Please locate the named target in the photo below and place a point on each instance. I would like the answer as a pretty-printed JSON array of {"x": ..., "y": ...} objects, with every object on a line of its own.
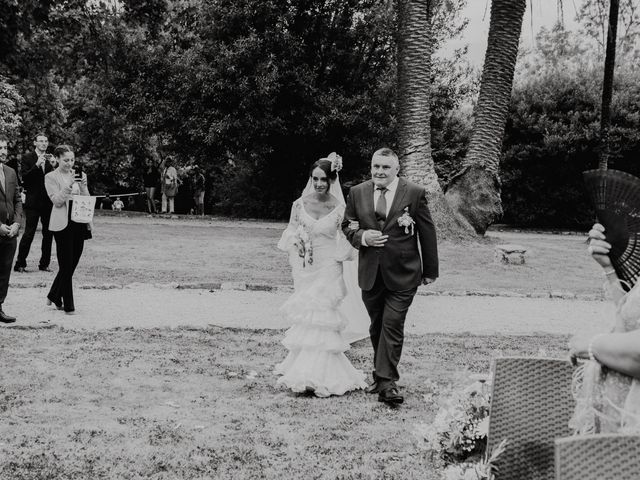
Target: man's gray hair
[{"x": 386, "y": 152}]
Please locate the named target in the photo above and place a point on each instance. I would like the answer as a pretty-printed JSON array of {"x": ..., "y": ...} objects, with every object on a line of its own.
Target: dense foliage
[
  {"x": 255, "y": 90},
  {"x": 252, "y": 90},
  {"x": 553, "y": 131}
]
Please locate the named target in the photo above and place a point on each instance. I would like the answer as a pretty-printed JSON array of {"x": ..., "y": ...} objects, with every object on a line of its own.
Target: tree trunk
[
  {"x": 607, "y": 83},
  {"x": 414, "y": 111},
  {"x": 474, "y": 191}
]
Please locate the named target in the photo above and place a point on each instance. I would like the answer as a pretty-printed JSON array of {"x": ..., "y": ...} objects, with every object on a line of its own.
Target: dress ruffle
[
  {"x": 316, "y": 358},
  {"x": 324, "y": 372}
]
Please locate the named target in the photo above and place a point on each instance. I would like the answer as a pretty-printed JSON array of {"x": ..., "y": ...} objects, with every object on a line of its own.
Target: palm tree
[
  {"x": 474, "y": 192},
  {"x": 607, "y": 83},
  {"x": 414, "y": 111}
]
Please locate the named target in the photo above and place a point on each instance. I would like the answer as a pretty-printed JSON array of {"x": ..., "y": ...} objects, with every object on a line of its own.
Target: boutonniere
[{"x": 406, "y": 221}]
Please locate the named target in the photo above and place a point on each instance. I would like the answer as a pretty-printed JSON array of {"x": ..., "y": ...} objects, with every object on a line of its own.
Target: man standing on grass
[
  {"x": 396, "y": 239},
  {"x": 10, "y": 218},
  {"x": 37, "y": 206}
]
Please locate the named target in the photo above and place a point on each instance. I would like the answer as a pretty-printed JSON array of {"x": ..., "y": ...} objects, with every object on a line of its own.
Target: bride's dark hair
[{"x": 324, "y": 165}]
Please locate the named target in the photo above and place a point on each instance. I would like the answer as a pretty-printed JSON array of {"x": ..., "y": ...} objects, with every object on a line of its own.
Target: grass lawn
[
  {"x": 201, "y": 404},
  {"x": 157, "y": 250}
]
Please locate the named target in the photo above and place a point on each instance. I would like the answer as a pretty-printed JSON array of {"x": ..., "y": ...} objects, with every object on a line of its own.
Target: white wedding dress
[{"x": 318, "y": 336}]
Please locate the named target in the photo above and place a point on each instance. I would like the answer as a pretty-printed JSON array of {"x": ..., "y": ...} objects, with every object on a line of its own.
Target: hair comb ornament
[
  {"x": 616, "y": 198},
  {"x": 336, "y": 161}
]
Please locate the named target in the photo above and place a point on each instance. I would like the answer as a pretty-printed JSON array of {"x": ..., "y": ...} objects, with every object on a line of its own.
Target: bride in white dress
[{"x": 326, "y": 314}]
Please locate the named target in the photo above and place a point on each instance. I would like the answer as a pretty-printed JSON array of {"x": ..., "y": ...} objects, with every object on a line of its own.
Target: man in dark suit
[
  {"x": 392, "y": 215},
  {"x": 10, "y": 218},
  {"x": 37, "y": 206}
]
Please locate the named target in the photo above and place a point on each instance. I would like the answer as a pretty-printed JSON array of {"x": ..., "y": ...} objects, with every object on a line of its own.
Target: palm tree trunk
[
  {"x": 414, "y": 110},
  {"x": 474, "y": 191},
  {"x": 607, "y": 83}
]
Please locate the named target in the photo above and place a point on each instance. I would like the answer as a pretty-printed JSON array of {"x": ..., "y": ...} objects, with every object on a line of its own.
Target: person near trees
[
  {"x": 169, "y": 186},
  {"x": 397, "y": 244},
  {"x": 11, "y": 217},
  {"x": 151, "y": 181},
  {"x": 607, "y": 384},
  {"x": 61, "y": 185},
  {"x": 37, "y": 206},
  {"x": 118, "y": 205},
  {"x": 197, "y": 189},
  {"x": 106, "y": 203}
]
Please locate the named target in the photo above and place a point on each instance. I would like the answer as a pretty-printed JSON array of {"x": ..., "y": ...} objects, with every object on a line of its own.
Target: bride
[{"x": 326, "y": 312}]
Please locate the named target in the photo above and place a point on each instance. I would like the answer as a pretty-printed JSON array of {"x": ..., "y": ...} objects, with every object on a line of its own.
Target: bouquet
[{"x": 305, "y": 248}]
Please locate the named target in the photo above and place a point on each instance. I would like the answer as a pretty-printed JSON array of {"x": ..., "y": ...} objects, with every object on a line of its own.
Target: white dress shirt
[{"x": 389, "y": 196}]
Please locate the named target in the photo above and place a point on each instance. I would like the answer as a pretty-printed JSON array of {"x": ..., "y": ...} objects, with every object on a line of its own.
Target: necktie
[{"x": 381, "y": 206}]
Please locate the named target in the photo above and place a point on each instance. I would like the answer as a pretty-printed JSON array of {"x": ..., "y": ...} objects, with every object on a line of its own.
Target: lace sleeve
[{"x": 288, "y": 236}]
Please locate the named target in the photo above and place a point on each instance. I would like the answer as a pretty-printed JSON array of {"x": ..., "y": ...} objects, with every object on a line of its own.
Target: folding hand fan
[{"x": 616, "y": 197}]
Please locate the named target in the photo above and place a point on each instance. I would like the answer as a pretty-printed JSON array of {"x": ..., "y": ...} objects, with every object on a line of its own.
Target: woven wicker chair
[
  {"x": 531, "y": 405},
  {"x": 598, "y": 457}
]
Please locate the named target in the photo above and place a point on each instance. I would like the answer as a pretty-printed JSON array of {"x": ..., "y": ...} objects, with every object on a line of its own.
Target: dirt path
[{"x": 146, "y": 306}]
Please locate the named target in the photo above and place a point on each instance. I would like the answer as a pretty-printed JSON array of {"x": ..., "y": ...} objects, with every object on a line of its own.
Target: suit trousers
[
  {"x": 387, "y": 310},
  {"x": 7, "y": 251},
  {"x": 69, "y": 246},
  {"x": 32, "y": 216}
]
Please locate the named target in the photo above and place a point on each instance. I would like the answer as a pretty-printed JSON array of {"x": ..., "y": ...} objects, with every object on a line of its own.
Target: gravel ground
[{"x": 147, "y": 306}]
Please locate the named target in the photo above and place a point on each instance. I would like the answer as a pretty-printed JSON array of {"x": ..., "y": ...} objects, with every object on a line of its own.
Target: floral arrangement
[
  {"x": 305, "y": 248},
  {"x": 458, "y": 435},
  {"x": 406, "y": 221}
]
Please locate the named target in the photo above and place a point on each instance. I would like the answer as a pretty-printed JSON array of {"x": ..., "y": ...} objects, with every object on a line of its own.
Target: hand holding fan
[{"x": 616, "y": 198}]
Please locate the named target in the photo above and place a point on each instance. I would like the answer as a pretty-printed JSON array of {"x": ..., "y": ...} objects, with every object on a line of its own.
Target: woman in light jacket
[
  {"x": 61, "y": 185},
  {"x": 169, "y": 186}
]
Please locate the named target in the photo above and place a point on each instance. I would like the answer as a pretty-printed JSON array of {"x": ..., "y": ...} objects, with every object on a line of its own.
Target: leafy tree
[
  {"x": 553, "y": 131},
  {"x": 10, "y": 103}
]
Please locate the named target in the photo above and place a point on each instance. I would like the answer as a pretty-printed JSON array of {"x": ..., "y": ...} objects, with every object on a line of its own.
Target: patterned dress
[{"x": 608, "y": 401}]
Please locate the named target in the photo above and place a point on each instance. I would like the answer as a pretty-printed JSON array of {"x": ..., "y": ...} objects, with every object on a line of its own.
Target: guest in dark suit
[
  {"x": 37, "y": 206},
  {"x": 10, "y": 216},
  {"x": 388, "y": 220}
]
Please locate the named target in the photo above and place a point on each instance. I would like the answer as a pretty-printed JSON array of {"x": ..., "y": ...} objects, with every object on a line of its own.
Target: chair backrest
[
  {"x": 598, "y": 457},
  {"x": 531, "y": 405}
]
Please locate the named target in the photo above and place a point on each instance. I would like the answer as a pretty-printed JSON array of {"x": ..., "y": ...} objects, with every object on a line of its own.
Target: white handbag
[{"x": 82, "y": 208}]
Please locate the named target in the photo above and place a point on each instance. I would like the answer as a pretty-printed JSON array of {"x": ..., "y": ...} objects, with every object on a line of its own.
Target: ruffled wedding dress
[
  {"x": 608, "y": 401},
  {"x": 317, "y": 341}
]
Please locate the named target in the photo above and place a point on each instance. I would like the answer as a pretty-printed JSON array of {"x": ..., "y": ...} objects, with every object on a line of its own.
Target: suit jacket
[
  {"x": 33, "y": 182},
  {"x": 10, "y": 200},
  {"x": 55, "y": 183},
  {"x": 402, "y": 261}
]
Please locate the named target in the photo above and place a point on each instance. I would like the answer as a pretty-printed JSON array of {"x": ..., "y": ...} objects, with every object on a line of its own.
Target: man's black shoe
[
  {"x": 20, "y": 269},
  {"x": 4, "y": 318},
  {"x": 45, "y": 269},
  {"x": 390, "y": 396}
]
